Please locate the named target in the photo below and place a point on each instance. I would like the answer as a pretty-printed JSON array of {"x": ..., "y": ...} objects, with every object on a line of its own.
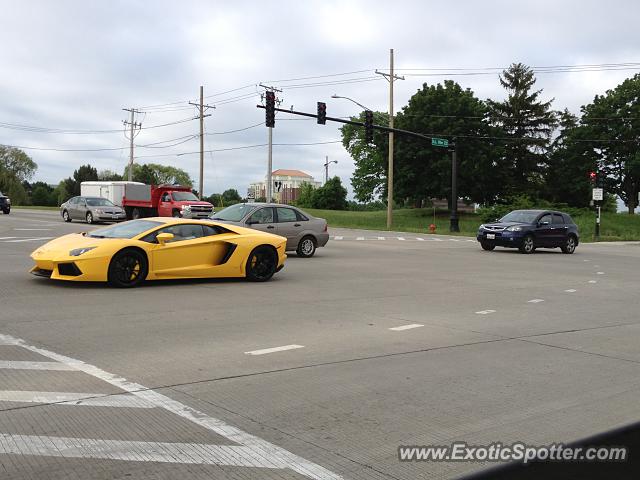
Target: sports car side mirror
[{"x": 164, "y": 238}]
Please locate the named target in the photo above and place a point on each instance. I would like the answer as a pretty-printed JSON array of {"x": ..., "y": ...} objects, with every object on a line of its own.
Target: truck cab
[{"x": 181, "y": 203}]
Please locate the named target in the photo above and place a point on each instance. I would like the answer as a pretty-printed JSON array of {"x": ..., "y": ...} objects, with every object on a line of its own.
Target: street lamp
[
  {"x": 326, "y": 168},
  {"x": 351, "y": 100}
]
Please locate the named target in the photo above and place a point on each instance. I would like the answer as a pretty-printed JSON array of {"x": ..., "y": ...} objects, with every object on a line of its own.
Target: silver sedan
[
  {"x": 304, "y": 233},
  {"x": 91, "y": 210}
]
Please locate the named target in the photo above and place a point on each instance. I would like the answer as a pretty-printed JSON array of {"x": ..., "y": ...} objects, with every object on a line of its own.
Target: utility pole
[
  {"x": 390, "y": 77},
  {"x": 134, "y": 130},
  {"x": 201, "y": 106},
  {"x": 269, "y": 189}
]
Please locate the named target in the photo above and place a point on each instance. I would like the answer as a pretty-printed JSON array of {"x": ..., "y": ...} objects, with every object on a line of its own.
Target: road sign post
[{"x": 597, "y": 195}]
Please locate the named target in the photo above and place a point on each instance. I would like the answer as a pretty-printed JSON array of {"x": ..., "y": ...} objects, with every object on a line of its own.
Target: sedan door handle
[
  {"x": 296, "y": 224},
  {"x": 271, "y": 226}
]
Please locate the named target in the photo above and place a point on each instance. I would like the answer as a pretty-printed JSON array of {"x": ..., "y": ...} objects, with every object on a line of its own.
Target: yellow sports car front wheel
[{"x": 128, "y": 268}]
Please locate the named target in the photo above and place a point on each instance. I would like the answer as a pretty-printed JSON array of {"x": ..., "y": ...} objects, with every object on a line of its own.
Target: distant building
[{"x": 290, "y": 189}]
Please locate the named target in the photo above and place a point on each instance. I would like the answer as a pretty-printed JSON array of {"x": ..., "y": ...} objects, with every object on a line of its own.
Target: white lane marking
[
  {"x": 485, "y": 312},
  {"x": 254, "y": 446},
  {"x": 437, "y": 240},
  {"x": 359, "y": 238},
  {"x": 469, "y": 240},
  {"x": 338, "y": 237},
  {"x": 420, "y": 239},
  {"x": 31, "y": 229},
  {"x": 381, "y": 238},
  {"x": 136, "y": 451},
  {"x": 454, "y": 240},
  {"x": 599, "y": 273},
  {"x": 7, "y": 238},
  {"x": 536, "y": 300},
  {"x": 406, "y": 327},
  {"x": 586, "y": 260},
  {"x": 83, "y": 399},
  {"x": 273, "y": 350},
  {"x": 400, "y": 238},
  {"x": 571, "y": 290},
  {"x": 22, "y": 365},
  {"x": 593, "y": 281},
  {"x": 29, "y": 239}
]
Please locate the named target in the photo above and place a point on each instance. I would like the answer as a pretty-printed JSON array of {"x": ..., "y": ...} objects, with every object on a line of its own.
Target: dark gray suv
[{"x": 5, "y": 204}]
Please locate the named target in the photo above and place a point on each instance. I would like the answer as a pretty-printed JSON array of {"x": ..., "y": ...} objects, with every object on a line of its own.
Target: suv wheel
[
  {"x": 527, "y": 245},
  {"x": 487, "y": 246},
  {"x": 570, "y": 245}
]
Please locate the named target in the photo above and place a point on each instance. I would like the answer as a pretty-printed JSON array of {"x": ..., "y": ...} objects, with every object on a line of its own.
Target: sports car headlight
[
  {"x": 79, "y": 251},
  {"x": 514, "y": 229}
]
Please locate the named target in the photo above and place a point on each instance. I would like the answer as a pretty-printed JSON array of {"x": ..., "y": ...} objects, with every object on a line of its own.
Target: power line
[{"x": 34, "y": 129}]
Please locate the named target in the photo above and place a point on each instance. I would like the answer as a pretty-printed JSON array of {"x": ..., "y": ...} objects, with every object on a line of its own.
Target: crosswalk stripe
[
  {"x": 253, "y": 451},
  {"x": 82, "y": 399},
  {"x": 338, "y": 237},
  {"x": 360, "y": 238},
  {"x": 185, "y": 453},
  {"x": 28, "y": 239},
  {"x": 420, "y": 239},
  {"x": 23, "y": 365},
  {"x": 381, "y": 238},
  {"x": 400, "y": 238}
]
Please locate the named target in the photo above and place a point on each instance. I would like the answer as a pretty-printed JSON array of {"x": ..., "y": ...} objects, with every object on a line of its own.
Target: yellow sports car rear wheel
[
  {"x": 262, "y": 263},
  {"x": 128, "y": 268}
]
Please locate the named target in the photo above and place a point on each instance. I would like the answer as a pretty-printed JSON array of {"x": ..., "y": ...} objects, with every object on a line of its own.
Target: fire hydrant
[{"x": 432, "y": 228}]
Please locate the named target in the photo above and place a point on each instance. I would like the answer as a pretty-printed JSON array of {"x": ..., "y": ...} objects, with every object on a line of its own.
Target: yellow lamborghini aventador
[{"x": 128, "y": 253}]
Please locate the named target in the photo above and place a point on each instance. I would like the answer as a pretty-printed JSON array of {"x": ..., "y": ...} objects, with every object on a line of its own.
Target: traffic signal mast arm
[{"x": 358, "y": 124}]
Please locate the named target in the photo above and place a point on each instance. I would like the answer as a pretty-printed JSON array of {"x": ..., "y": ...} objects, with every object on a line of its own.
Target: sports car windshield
[
  {"x": 128, "y": 229},
  {"x": 234, "y": 213},
  {"x": 99, "y": 202},
  {"x": 520, "y": 216}
]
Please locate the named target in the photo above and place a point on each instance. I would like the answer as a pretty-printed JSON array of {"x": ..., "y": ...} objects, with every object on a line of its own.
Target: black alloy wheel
[
  {"x": 262, "y": 264},
  {"x": 128, "y": 268}
]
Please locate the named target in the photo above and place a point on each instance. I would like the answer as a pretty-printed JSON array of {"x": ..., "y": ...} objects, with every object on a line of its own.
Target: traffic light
[
  {"x": 593, "y": 177},
  {"x": 368, "y": 126},
  {"x": 322, "y": 113},
  {"x": 270, "y": 110}
]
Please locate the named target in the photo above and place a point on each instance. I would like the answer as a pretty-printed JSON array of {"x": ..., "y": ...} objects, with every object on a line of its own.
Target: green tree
[
  {"x": 60, "y": 193},
  {"x": 305, "y": 195},
  {"x": 569, "y": 162},
  {"x": 612, "y": 125},
  {"x": 155, "y": 174},
  {"x": 41, "y": 194},
  {"x": 423, "y": 171},
  {"x": 231, "y": 196},
  {"x": 369, "y": 179},
  {"x": 215, "y": 199},
  {"x": 16, "y": 167},
  {"x": 85, "y": 173},
  {"x": 331, "y": 196},
  {"x": 528, "y": 123},
  {"x": 109, "y": 176}
]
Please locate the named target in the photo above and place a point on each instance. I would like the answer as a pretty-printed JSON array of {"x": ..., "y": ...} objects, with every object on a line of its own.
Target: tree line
[{"x": 519, "y": 146}]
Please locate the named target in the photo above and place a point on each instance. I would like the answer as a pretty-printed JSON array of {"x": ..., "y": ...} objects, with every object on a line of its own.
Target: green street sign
[{"x": 439, "y": 142}]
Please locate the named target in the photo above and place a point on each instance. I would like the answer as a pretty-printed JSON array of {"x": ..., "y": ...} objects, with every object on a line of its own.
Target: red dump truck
[{"x": 140, "y": 200}]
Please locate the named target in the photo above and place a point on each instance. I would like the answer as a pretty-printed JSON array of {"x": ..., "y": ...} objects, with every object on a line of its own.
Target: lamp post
[
  {"x": 351, "y": 100},
  {"x": 326, "y": 168}
]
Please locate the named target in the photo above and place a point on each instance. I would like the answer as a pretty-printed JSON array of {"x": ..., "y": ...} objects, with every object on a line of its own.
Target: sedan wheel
[
  {"x": 65, "y": 216},
  {"x": 570, "y": 245},
  {"x": 527, "y": 245},
  {"x": 306, "y": 247},
  {"x": 89, "y": 217},
  {"x": 127, "y": 269},
  {"x": 262, "y": 264}
]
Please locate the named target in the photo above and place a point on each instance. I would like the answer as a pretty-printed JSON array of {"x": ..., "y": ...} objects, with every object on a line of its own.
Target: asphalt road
[{"x": 186, "y": 379}]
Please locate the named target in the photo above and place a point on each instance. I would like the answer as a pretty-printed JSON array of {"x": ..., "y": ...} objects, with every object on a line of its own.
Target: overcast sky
[{"x": 74, "y": 65}]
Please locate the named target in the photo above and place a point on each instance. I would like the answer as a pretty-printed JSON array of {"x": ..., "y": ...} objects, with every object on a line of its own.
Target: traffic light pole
[
  {"x": 269, "y": 191},
  {"x": 453, "y": 221}
]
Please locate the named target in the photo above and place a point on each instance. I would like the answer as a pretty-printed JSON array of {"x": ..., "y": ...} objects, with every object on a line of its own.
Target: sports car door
[{"x": 190, "y": 253}]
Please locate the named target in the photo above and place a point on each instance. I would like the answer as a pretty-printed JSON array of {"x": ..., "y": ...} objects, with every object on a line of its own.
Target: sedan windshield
[
  {"x": 184, "y": 197},
  {"x": 234, "y": 213},
  {"x": 128, "y": 229},
  {"x": 99, "y": 202},
  {"x": 520, "y": 216}
]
